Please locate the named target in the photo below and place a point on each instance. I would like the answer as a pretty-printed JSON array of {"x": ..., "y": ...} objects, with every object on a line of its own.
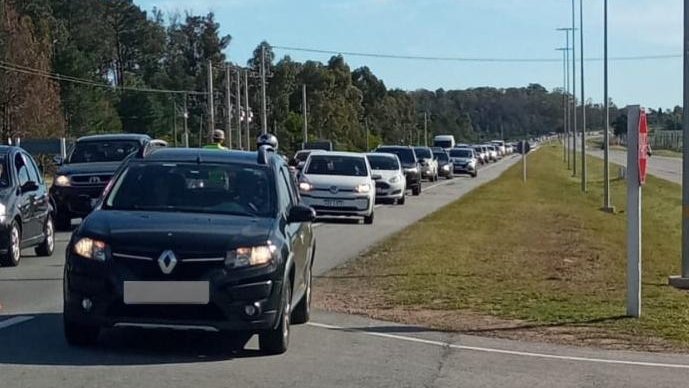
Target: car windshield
[
  {"x": 380, "y": 162},
  {"x": 337, "y": 165},
  {"x": 405, "y": 155},
  {"x": 441, "y": 156},
  {"x": 443, "y": 143},
  {"x": 423, "y": 153},
  {"x": 302, "y": 156},
  {"x": 103, "y": 151},
  {"x": 461, "y": 153},
  {"x": 194, "y": 188}
]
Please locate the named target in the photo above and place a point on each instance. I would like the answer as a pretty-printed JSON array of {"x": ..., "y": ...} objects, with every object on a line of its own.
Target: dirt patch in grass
[{"x": 536, "y": 261}]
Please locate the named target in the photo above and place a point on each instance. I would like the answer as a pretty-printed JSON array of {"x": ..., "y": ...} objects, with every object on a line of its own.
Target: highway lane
[
  {"x": 335, "y": 350},
  {"x": 664, "y": 167}
]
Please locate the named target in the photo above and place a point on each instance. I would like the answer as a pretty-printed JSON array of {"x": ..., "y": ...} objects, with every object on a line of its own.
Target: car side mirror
[
  {"x": 29, "y": 187},
  {"x": 301, "y": 213},
  {"x": 375, "y": 177},
  {"x": 57, "y": 159}
]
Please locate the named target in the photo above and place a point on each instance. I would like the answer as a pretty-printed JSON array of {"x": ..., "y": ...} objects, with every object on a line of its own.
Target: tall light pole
[
  {"x": 264, "y": 111},
  {"x": 607, "y": 202},
  {"x": 574, "y": 90},
  {"x": 211, "y": 105},
  {"x": 570, "y": 111},
  {"x": 304, "y": 111},
  {"x": 564, "y": 100},
  {"x": 228, "y": 101},
  {"x": 583, "y": 97},
  {"x": 425, "y": 129},
  {"x": 239, "y": 109},
  {"x": 248, "y": 117},
  {"x": 682, "y": 281}
]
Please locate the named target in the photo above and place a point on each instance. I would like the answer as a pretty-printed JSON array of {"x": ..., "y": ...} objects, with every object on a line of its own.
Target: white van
[{"x": 446, "y": 142}]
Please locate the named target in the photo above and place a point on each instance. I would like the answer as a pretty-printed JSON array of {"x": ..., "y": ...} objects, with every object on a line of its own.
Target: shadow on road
[
  {"x": 527, "y": 326},
  {"x": 40, "y": 341},
  {"x": 338, "y": 220}
]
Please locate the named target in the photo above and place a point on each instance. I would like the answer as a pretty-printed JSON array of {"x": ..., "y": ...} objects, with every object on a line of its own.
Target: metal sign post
[{"x": 637, "y": 158}]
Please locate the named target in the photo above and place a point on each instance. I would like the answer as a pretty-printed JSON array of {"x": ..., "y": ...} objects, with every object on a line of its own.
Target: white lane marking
[
  {"x": 14, "y": 321},
  {"x": 503, "y": 351}
]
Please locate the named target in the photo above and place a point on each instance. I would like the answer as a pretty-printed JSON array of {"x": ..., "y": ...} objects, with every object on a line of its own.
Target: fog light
[
  {"x": 252, "y": 310},
  {"x": 87, "y": 304}
]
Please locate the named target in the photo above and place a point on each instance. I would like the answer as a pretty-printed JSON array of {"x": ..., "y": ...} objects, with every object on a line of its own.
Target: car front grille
[
  {"x": 382, "y": 185},
  {"x": 209, "y": 312},
  {"x": 91, "y": 180}
]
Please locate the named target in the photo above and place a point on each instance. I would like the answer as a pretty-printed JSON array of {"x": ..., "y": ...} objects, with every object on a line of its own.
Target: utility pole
[
  {"x": 583, "y": 98},
  {"x": 682, "y": 281},
  {"x": 174, "y": 122},
  {"x": 228, "y": 100},
  {"x": 574, "y": 91},
  {"x": 569, "y": 108},
  {"x": 211, "y": 115},
  {"x": 425, "y": 129},
  {"x": 607, "y": 202},
  {"x": 247, "y": 117},
  {"x": 186, "y": 120},
  {"x": 304, "y": 111},
  {"x": 239, "y": 109},
  {"x": 264, "y": 112}
]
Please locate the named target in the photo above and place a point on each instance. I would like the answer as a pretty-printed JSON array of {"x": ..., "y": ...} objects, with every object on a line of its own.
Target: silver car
[{"x": 389, "y": 177}]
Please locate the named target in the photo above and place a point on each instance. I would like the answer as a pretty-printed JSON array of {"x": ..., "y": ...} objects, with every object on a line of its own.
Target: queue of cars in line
[
  {"x": 197, "y": 239},
  {"x": 349, "y": 183}
]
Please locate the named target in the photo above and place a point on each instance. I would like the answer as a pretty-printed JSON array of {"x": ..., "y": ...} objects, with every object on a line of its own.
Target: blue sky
[{"x": 465, "y": 28}]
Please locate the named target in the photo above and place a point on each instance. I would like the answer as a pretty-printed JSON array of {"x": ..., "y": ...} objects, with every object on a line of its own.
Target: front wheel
[
  {"x": 402, "y": 200},
  {"x": 474, "y": 175},
  {"x": 302, "y": 312},
  {"x": 416, "y": 190},
  {"x": 14, "y": 253},
  {"x": 276, "y": 341},
  {"x": 368, "y": 220},
  {"x": 47, "y": 247},
  {"x": 63, "y": 220}
]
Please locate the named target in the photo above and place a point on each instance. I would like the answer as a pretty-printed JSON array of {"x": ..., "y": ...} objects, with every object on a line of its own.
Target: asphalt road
[
  {"x": 664, "y": 167},
  {"x": 334, "y": 350}
]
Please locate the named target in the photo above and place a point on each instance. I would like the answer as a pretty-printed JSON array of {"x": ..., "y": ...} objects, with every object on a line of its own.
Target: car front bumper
[
  {"x": 76, "y": 200},
  {"x": 225, "y": 311},
  {"x": 464, "y": 169},
  {"x": 386, "y": 190},
  {"x": 360, "y": 205}
]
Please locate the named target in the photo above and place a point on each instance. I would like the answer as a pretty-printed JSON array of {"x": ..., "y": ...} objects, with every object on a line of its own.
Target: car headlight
[
  {"x": 394, "y": 179},
  {"x": 305, "y": 186},
  {"x": 3, "y": 212},
  {"x": 250, "y": 256},
  {"x": 446, "y": 167},
  {"x": 363, "y": 188},
  {"x": 91, "y": 249},
  {"x": 412, "y": 170},
  {"x": 62, "y": 180}
]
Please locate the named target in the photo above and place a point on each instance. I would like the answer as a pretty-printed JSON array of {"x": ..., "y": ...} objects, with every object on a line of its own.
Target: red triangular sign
[{"x": 643, "y": 147}]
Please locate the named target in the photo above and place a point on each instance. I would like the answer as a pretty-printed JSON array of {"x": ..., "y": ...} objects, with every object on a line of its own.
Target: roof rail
[{"x": 263, "y": 153}]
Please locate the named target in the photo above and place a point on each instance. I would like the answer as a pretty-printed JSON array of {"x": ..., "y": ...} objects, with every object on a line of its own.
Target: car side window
[
  {"x": 292, "y": 184},
  {"x": 22, "y": 169},
  {"x": 284, "y": 195},
  {"x": 34, "y": 173}
]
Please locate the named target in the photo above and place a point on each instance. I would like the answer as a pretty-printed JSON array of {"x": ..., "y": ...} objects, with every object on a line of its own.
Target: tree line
[{"x": 77, "y": 67}]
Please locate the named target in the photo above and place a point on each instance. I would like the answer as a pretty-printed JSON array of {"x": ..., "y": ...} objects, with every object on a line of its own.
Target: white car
[
  {"x": 500, "y": 144},
  {"x": 338, "y": 184},
  {"x": 389, "y": 177}
]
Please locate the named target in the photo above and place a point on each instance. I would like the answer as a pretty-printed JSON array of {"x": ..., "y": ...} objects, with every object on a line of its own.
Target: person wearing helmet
[
  {"x": 267, "y": 139},
  {"x": 218, "y": 139}
]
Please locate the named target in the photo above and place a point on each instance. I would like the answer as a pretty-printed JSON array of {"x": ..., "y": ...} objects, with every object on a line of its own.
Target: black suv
[
  {"x": 24, "y": 207},
  {"x": 90, "y": 164},
  {"x": 410, "y": 165},
  {"x": 193, "y": 239}
]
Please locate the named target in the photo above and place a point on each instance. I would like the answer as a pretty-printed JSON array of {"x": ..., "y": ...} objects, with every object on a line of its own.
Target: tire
[
  {"x": 302, "y": 312},
  {"x": 450, "y": 176},
  {"x": 474, "y": 175},
  {"x": 47, "y": 247},
  {"x": 14, "y": 252},
  {"x": 63, "y": 221},
  {"x": 368, "y": 220},
  {"x": 276, "y": 341},
  {"x": 416, "y": 190},
  {"x": 402, "y": 200},
  {"x": 80, "y": 335}
]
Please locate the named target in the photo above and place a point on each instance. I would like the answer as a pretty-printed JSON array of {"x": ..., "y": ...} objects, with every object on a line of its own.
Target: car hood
[
  {"x": 88, "y": 168},
  {"x": 326, "y": 181},
  {"x": 144, "y": 231}
]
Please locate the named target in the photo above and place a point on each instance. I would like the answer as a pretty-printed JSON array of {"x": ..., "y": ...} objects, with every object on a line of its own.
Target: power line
[
  {"x": 471, "y": 59},
  {"x": 65, "y": 78}
]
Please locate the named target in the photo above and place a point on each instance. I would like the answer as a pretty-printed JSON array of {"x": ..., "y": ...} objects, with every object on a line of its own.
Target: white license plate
[
  {"x": 333, "y": 203},
  {"x": 172, "y": 292}
]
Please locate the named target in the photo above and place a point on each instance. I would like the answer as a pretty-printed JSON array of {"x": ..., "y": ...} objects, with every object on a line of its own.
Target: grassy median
[{"x": 537, "y": 260}]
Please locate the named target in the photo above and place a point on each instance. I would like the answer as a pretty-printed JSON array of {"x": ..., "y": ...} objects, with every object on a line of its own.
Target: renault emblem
[
  {"x": 94, "y": 180},
  {"x": 167, "y": 262},
  {"x": 334, "y": 189}
]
